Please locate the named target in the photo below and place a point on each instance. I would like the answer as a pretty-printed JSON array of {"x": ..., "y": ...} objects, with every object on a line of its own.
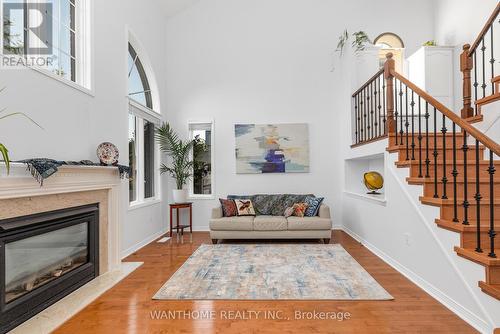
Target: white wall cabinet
[{"x": 431, "y": 68}]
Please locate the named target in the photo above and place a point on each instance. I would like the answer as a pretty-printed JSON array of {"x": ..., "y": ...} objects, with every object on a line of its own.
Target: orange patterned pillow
[{"x": 299, "y": 209}]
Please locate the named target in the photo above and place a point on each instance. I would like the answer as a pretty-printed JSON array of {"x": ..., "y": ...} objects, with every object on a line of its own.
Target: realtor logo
[{"x": 28, "y": 28}]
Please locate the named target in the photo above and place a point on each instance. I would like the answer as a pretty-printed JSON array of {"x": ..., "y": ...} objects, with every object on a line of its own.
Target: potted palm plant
[{"x": 181, "y": 168}]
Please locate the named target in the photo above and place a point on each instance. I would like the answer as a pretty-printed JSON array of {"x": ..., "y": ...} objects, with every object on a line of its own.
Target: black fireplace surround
[{"x": 43, "y": 258}]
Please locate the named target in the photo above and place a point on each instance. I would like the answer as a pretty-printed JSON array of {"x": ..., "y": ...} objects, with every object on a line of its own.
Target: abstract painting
[{"x": 272, "y": 148}]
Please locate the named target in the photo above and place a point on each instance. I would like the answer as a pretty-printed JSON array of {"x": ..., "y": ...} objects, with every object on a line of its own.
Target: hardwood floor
[{"x": 127, "y": 307}]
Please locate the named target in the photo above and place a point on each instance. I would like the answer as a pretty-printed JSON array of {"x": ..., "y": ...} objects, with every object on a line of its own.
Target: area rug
[{"x": 271, "y": 272}]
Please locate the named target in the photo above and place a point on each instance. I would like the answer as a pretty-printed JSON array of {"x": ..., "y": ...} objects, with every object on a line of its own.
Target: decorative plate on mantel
[{"x": 108, "y": 153}]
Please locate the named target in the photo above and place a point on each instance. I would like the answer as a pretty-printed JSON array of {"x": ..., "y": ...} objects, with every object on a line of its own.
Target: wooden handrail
[
  {"x": 485, "y": 29},
  {"x": 483, "y": 139},
  {"x": 379, "y": 73}
]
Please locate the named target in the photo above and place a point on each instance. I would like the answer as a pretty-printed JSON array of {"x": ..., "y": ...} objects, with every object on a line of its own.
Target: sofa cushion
[
  {"x": 270, "y": 223},
  {"x": 244, "y": 207},
  {"x": 272, "y": 205},
  {"x": 309, "y": 223},
  {"x": 313, "y": 204},
  {"x": 232, "y": 224},
  {"x": 229, "y": 208}
]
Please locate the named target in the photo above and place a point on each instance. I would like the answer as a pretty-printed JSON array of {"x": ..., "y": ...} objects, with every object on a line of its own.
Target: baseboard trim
[
  {"x": 142, "y": 243},
  {"x": 437, "y": 294}
]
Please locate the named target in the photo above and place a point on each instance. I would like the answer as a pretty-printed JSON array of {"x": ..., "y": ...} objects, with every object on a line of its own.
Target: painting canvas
[{"x": 272, "y": 148}]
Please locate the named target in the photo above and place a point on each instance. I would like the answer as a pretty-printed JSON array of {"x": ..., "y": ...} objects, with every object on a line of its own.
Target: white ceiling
[{"x": 172, "y": 7}]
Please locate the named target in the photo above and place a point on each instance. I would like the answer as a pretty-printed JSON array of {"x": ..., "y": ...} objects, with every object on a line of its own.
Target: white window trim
[
  {"x": 191, "y": 195},
  {"x": 84, "y": 50},
  {"x": 140, "y": 111}
]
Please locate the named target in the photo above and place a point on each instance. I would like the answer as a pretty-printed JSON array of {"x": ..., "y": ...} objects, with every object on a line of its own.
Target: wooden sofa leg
[
  {"x": 215, "y": 241},
  {"x": 326, "y": 241}
]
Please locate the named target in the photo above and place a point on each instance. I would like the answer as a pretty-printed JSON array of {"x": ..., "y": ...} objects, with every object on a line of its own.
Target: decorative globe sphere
[{"x": 373, "y": 182}]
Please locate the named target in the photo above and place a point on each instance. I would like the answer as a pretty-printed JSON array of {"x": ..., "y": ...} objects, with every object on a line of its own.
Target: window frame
[
  {"x": 84, "y": 50},
  {"x": 191, "y": 194},
  {"x": 141, "y": 114}
]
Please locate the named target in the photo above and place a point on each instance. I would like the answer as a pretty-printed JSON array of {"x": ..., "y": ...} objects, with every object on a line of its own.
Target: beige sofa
[{"x": 271, "y": 227}]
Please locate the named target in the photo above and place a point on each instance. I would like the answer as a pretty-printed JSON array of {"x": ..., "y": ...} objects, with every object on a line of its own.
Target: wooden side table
[{"x": 176, "y": 207}]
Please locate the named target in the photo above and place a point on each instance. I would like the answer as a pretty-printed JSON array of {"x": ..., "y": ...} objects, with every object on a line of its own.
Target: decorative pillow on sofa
[
  {"x": 245, "y": 207},
  {"x": 229, "y": 208},
  {"x": 313, "y": 204},
  {"x": 299, "y": 209},
  {"x": 288, "y": 212}
]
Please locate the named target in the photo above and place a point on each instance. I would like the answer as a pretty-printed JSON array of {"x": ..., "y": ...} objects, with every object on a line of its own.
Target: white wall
[
  {"x": 459, "y": 22},
  {"x": 269, "y": 61},
  {"x": 75, "y": 123}
]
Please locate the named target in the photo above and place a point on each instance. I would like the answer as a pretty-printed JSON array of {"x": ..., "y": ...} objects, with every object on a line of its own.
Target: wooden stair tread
[
  {"x": 480, "y": 258},
  {"x": 424, "y": 180},
  {"x": 395, "y": 148},
  {"x": 495, "y": 79},
  {"x": 488, "y": 99},
  {"x": 439, "y": 201},
  {"x": 491, "y": 289},
  {"x": 438, "y": 134},
  {"x": 459, "y": 227},
  {"x": 410, "y": 162}
]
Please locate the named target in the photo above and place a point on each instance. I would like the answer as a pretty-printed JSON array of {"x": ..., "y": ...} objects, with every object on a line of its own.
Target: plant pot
[{"x": 180, "y": 195}]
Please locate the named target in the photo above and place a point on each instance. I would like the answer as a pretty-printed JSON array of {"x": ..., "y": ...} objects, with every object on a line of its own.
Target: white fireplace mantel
[{"x": 70, "y": 179}]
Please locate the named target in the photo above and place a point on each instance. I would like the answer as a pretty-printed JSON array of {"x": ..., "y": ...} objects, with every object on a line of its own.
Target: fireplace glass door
[{"x": 37, "y": 260}]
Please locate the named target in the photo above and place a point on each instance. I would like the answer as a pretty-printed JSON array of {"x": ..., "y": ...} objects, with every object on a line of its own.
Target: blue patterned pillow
[{"x": 313, "y": 204}]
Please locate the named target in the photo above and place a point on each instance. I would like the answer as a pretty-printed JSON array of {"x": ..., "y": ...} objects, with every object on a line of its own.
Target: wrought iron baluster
[
  {"x": 407, "y": 124},
  {"x": 377, "y": 105},
  {"x": 492, "y": 233},
  {"x": 362, "y": 115},
  {"x": 419, "y": 137},
  {"x": 492, "y": 60},
  {"x": 356, "y": 119},
  {"x": 435, "y": 154},
  {"x": 478, "y": 198},
  {"x": 427, "y": 160},
  {"x": 476, "y": 84},
  {"x": 444, "y": 130},
  {"x": 455, "y": 174},
  {"x": 369, "y": 104},
  {"x": 412, "y": 125},
  {"x": 396, "y": 113},
  {"x": 465, "y": 203},
  {"x": 401, "y": 132},
  {"x": 385, "y": 105},
  {"x": 379, "y": 118},
  {"x": 483, "y": 49}
]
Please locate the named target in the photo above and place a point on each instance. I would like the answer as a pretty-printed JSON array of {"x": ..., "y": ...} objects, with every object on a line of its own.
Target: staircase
[
  {"x": 457, "y": 165},
  {"x": 440, "y": 194}
]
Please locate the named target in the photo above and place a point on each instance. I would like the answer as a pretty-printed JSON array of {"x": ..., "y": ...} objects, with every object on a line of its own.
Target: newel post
[
  {"x": 466, "y": 66},
  {"x": 389, "y": 67}
]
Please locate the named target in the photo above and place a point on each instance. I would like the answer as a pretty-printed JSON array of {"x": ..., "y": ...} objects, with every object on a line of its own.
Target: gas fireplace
[{"x": 44, "y": 257}]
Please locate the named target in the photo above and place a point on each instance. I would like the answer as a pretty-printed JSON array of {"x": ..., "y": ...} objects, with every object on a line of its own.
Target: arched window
[
  {"x": 143, "y": 118},
  {"x": 138, "y": 85},
  {"x": 390, "y": 42}
]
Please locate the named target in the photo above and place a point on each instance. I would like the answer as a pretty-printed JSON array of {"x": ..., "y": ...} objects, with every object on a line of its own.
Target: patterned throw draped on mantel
[{"x": 42, "y": 169}]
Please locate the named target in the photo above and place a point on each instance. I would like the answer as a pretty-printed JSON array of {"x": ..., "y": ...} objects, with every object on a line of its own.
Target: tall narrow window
[
  {"x": 51, "y": 35},
  {"x": 203, "y": 153},
  {"x": 149, "y": 159},
  {"x": 143, "y": 187},
  {"x": 132, "y": 153}
]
